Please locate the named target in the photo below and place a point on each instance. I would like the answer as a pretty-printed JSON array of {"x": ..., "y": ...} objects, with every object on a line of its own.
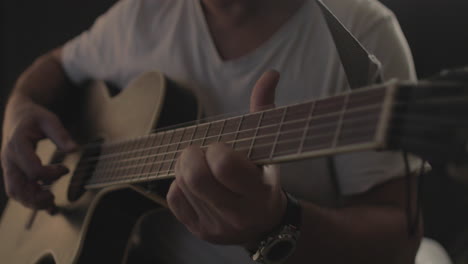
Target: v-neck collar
[{"x": 251, "y": 55}]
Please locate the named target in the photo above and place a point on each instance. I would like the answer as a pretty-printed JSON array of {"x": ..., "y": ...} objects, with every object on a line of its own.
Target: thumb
[{"x": 263, "y": 94}]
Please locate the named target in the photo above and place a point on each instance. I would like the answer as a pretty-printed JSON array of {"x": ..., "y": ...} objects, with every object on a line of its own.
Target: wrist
[
  {"x": 278, "y": 244},
  {"x": 277, "y": 211}
]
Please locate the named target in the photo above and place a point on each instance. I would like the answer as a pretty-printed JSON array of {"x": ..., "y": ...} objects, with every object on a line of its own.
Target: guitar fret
[
  {"x": 177, "y": 140},
  {"x": 165, "y": 165},
  {"x": 362, "y": 117},
  {"x": 155, "y": 166},
  {"x": 325, "y": 119},
  {"x": 340, "y": 122},
  {"x": 129, "y": 162},
  {"x": 214, "y": 132},
  {"x": 229, "y": 131},
  {"x": 206, "y": 134},
  {"x": 97, "y": 175},
  {"x": 266, "y": 134},
  {"x": 141, "y": 157},
  {"x": 247, "y": 133},
  {"x": 273, "y": 149},
  {"x": 255, "y": 135},
  {"x": 237, "y": 132},
  {"x": 118, "y": 160},
  {"x": 159, "y": 157},
  {"x": 200, "y": 134},
  {"x": 221, "y": 131},
  {"x": 193, "y": 135},
  {"x": 276, "y": 134},
  {"x": 187, "y": 138},
  {"x": 147, "y": 164},
  {"x": 291, "y": 130},
  {"x": 309, "y": 118}
]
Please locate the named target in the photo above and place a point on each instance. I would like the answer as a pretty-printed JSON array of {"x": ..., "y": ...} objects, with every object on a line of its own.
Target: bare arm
[
  {"x": 43, "y": 81},
  {"x": 372, "y": 228},
  {"x": 28, "y": 118},
  {"x": 223, "y": 198}
]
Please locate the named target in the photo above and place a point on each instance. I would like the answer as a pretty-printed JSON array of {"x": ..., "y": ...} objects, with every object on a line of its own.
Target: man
[{"x": 221, "y": 47}]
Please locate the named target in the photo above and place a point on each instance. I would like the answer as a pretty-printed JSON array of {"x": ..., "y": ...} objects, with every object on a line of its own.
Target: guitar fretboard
[{"x": 347, "y": 122}]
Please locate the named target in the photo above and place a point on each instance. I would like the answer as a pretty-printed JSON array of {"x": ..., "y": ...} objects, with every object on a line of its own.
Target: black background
[{"x": 437, "y": 31}]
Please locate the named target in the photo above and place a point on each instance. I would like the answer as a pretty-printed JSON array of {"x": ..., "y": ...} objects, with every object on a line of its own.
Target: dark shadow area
[
  {"x": 31, "y": 28},
  {"x": 437, "y": 32}
]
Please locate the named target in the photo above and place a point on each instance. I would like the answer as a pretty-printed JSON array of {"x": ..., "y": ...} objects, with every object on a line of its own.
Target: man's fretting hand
[
  {"x": 222, "y": 197},
  {"x": 25, "y": 124}
]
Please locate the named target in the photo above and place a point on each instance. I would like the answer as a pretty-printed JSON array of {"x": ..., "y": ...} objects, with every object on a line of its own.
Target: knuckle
[
  {"x": 195, "y": 177},
  {"x": 221, "y": 164},
  {"x": 173, "y": 197},
  {"x": 191, "y": 172}
]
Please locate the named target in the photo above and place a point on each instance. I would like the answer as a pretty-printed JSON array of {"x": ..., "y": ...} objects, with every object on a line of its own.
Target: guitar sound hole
[{"x": 48, "y": 259}]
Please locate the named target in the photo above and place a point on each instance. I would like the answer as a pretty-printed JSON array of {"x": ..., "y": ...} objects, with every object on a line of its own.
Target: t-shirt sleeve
[
  {"x": 94, "y": 53},
  {"x": 359, "y": 172}
]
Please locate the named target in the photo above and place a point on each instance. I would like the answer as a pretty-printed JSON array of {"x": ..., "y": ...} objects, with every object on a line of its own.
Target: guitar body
[{"x": 95, "y": 227}]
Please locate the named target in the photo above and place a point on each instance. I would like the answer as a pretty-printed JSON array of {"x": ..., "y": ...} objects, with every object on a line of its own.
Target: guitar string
[
  {"x": 165, "y": 171},
  {"x": 145, "y": 150},
  {"x": 360, "y": 96},
  {"x": 233, "y": 132},
  {"x": 140, "y": 177},
  {"x": 285, "y": 132},
  {"x": 270, "y": 118},
  {"x": 161, "y": 163},
  {"x": 137, "y": 164},
  {"x": 159, "y": 131},
  {"x": 149, "y": 176}
]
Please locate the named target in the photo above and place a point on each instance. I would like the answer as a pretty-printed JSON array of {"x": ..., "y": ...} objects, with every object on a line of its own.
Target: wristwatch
[{"x": 281, "y": 243}]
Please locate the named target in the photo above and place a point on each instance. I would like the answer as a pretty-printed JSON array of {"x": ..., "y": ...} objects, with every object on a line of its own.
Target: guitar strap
[
  {"x": 361, "y": 68},
  {"x": 364, "y": 69}
]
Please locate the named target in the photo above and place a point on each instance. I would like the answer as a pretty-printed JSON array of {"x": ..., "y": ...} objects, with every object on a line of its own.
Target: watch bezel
[{"x": 288, "y": 234}]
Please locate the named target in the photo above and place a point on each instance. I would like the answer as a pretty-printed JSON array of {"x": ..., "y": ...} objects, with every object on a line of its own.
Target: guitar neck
[{"x": 351, "y": 121}]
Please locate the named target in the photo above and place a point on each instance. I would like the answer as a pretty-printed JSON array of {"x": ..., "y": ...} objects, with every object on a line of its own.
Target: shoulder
[{"x": 361, "y": 16}]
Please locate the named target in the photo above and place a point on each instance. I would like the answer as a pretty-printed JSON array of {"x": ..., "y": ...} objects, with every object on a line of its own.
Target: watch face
[{"x": 279, "y": 249}]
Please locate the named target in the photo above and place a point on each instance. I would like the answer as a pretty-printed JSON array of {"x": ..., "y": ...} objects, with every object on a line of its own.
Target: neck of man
[
  {"x": 238, "y": 27},
  {"x": 238, "y": 13}
]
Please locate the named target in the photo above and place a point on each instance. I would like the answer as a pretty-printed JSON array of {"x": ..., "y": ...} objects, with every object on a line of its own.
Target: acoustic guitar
[{"x": 124, "y": 165}]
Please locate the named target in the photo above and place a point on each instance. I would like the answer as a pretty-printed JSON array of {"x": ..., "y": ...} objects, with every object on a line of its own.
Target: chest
[{"x": 231, "y": 42}]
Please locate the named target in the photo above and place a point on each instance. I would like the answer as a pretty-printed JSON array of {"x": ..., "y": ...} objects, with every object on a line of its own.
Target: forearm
[
  {"x": 371, "y": 232},
  {"x": 44, "y": 82}
]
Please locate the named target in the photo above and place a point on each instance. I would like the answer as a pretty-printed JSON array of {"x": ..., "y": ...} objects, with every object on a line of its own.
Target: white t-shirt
[{"x": 172, "y": 36}]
